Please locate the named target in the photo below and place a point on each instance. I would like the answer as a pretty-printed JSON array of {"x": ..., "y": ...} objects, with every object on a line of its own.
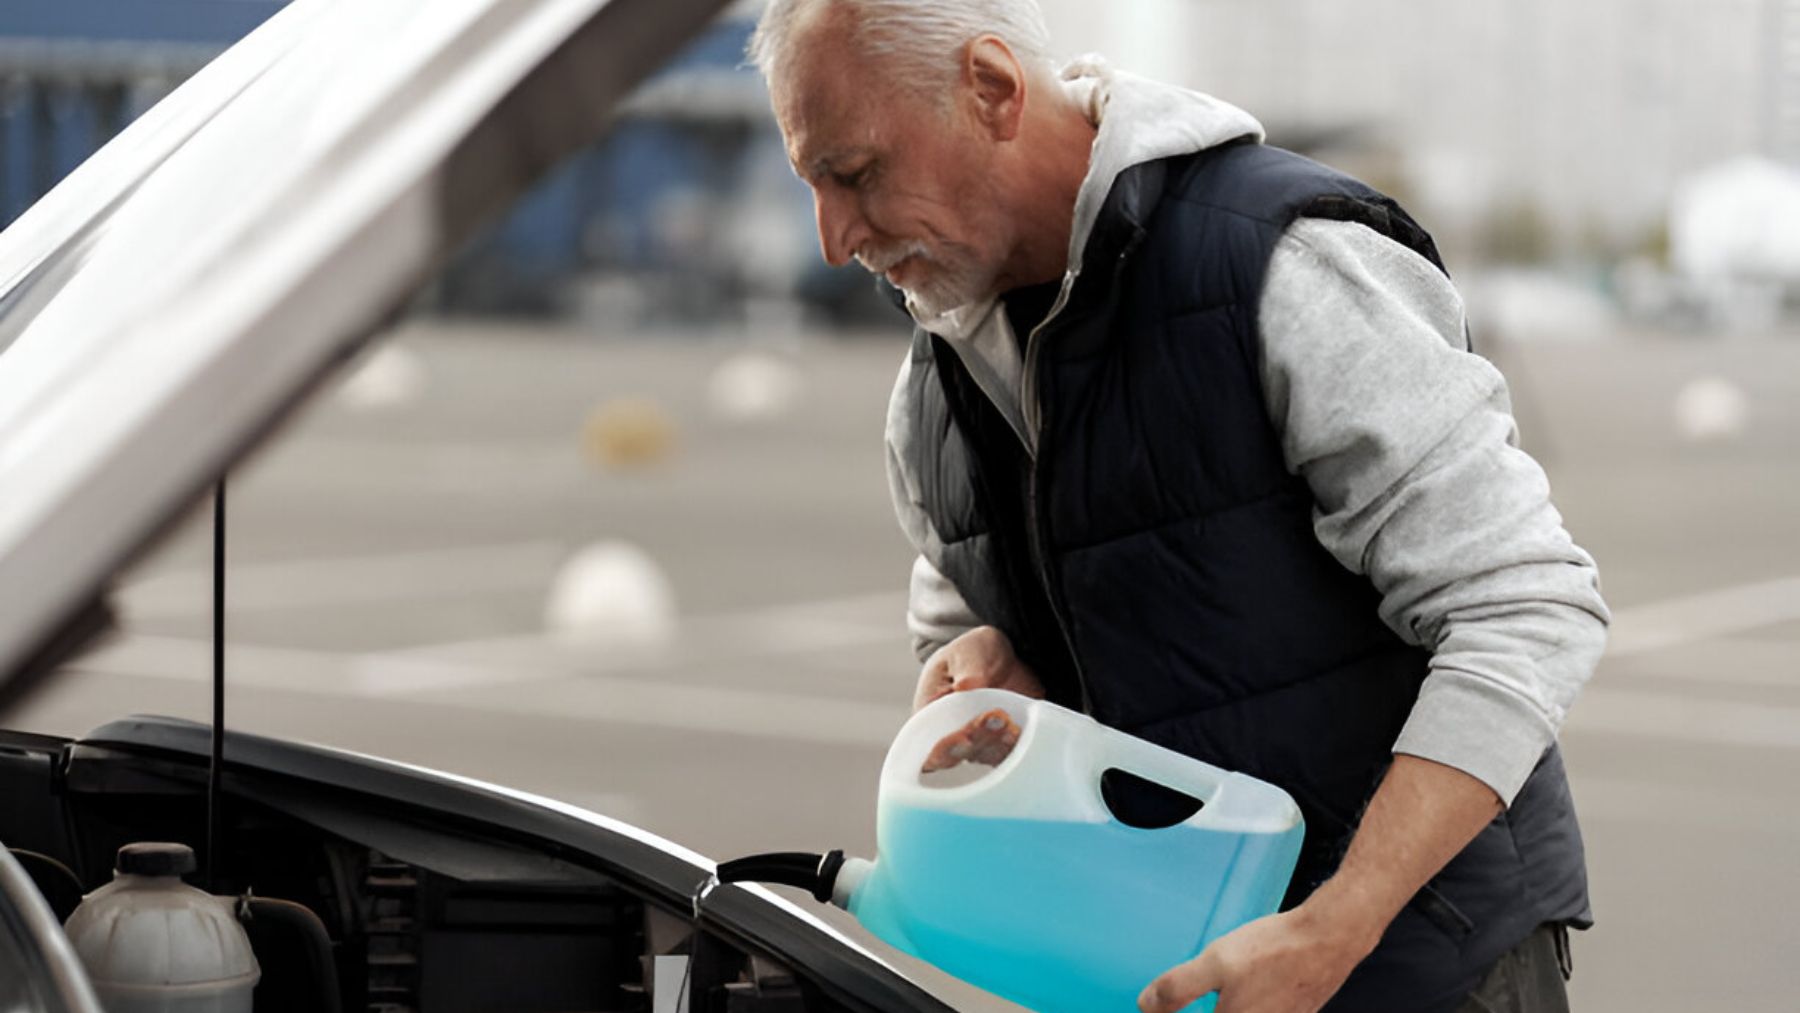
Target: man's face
[{"x": 901, "y": 184}]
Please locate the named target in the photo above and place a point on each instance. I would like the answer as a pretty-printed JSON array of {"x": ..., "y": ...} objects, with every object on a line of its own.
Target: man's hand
[
  {"x": 980, "y": 659},
  {"x": 1291, "y": 962},
  {"x": 1421, "y": 816},
  {"x": 987, "y": 739}
]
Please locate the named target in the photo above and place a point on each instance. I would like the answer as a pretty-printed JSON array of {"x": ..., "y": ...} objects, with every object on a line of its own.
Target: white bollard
[
  {"x": 1711, "y": 409},
  {"x": 753, "y": 387},
  {"x": 391, "y": 377},
  {"x": 611, "y": 590}
]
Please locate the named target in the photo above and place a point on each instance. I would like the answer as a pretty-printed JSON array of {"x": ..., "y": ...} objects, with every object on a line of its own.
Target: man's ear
[{"x": 996, "y": 83}]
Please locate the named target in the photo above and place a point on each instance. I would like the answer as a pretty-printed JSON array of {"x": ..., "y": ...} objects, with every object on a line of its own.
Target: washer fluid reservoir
[
  {"x": 1025, "y": 883},
  {"x": 153, "y": 944}
]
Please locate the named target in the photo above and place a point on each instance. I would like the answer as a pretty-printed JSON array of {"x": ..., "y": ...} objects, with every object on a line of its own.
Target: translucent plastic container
[
  {"x": 153, "y": 944},
  {"x": 1024, "y": 883}
]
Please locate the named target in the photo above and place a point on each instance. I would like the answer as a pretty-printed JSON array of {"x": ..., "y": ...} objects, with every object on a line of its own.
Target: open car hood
[
  {"x": 181, "y": 292},
  {"x": 530, "y": 880}
]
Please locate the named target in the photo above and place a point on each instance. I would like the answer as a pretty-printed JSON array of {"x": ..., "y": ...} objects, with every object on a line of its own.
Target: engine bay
[{"x": 361, "y": 903}]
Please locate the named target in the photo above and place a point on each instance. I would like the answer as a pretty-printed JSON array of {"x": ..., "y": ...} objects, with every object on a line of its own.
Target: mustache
[{"x": 878, "y": 259}]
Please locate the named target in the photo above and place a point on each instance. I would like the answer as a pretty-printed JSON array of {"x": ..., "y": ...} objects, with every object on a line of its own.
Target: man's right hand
[{"x": 980, "y": 659}]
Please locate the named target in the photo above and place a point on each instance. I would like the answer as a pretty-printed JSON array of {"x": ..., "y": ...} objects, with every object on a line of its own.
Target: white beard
[{"x": 949, "y": 279}]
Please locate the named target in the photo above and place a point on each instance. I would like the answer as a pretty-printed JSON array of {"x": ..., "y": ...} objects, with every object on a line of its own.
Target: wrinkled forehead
[
  {"x": 832, "y": 103},
  {"x": 823, "y": 125}
]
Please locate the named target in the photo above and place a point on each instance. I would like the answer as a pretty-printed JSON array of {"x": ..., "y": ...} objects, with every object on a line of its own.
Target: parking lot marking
[
  {"x": 660, "y": 703},
  {"x": 794, "y": 628},
  {"x": 423, "y": 575},
  {"x": 759, "y": 713}
]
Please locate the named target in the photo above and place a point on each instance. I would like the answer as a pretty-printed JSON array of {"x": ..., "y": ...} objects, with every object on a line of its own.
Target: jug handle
[
  {"x": 1165, "y": 767},
  {"x": 946, "y": 715}
]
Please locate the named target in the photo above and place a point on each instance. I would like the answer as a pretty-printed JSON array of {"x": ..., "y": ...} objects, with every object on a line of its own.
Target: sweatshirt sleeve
[
  {"x": 936, "y": 612},
  {"x": 1408, "y": 444}
]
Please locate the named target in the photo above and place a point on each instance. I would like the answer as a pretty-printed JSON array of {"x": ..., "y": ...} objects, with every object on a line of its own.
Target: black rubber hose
[
  {"x": 62, "y": 894},
  {"x": 304, "y": 950},
  {"x": 815, "y": 873}
]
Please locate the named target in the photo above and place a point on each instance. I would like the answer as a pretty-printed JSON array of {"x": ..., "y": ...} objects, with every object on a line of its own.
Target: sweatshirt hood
[{"x": 1139, "y": 121}]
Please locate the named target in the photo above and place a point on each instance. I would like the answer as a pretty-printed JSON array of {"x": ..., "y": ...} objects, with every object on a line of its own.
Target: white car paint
[{"x": 268, "y": 214}]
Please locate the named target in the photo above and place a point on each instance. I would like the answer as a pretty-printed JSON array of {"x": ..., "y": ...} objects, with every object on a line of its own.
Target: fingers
[
  {"x": 934, "y": 682},
  {"x": 981, "y": 658},
  {"x": 1013, "y": 677},
  {"x": 1008, "y": 673},
  {"x": 1008, "y": 737},
  {"x": 1025, "y": 683},
  {"x": 1182, "y": 984},
  {"x": 978, "y": 672},
  {"x": 946, "y": 754},
  {"x": 929, "y": 692},
  {"x": 992, "y": 737},
  {"x": 988, "y": 740}
]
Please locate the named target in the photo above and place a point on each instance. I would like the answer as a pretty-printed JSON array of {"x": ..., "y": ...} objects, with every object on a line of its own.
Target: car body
[
  {"x": 162, "y": 312},
  {"x": 436, "y": 892}
]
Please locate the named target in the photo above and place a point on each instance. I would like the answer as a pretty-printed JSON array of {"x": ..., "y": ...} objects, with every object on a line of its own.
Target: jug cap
[{"x": 155, "y": 858}]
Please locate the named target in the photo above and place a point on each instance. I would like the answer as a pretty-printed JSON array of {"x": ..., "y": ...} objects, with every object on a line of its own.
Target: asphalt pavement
[{"x": 729, "y": 662}]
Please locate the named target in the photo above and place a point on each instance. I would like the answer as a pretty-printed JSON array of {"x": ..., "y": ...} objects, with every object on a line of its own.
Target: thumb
[{"x": 1182, "y": 984}]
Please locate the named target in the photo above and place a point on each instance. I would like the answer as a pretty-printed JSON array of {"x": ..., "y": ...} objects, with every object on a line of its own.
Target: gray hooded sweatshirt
[{"x": 1405, "y": 438}]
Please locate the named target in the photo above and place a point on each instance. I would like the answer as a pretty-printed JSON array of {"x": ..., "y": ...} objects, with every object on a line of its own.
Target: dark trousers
[{"x": 1528, "y": 979}]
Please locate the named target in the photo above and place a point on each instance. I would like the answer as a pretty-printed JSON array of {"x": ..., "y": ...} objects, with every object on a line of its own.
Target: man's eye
[{"x": 855, "y": 179}]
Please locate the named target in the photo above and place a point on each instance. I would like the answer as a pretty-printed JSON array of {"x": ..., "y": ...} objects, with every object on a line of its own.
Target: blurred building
[
  {"x": 1781, "y": 85},
  {"x": 74, "y": 72},
  {"x": 686, "y": 212},
  {"x": 1573, "y": 118},
  {"x": 1518, "y": 129}
]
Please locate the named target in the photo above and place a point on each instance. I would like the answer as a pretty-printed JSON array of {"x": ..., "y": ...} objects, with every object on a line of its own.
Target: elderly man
[{"x": 1189, "y": 437}]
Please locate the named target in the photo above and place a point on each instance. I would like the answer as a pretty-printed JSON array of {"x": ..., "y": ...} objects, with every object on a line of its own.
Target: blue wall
[
  {"x": 600, "y": 210},
  {"x": 195, "y": 21}
]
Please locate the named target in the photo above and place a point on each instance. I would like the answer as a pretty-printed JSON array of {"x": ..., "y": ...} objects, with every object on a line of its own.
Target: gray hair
[{"x": 923, "y": 38}]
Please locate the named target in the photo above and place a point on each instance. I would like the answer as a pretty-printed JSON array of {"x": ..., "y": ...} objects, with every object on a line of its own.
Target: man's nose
[{"x": 842, "y": 229}]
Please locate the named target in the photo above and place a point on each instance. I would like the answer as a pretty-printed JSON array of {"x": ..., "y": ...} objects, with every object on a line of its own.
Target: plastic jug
[
  {"x": 1024, "y": 883},
  {"x": 153, "y": 944}
]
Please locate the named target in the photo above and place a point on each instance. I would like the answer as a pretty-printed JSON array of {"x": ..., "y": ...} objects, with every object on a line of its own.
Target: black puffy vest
[{"x": 1157, "y": 564}]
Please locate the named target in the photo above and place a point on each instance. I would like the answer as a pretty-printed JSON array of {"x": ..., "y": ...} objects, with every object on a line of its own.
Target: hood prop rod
[{"x": 214, "y": 794}]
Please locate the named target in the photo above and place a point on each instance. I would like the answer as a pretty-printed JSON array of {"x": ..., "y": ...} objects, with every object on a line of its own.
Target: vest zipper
[
  {"x": 1040, "y": 548},
  {"x": 1028, "y": 403},
  {"x": 1037, "y": 536}
]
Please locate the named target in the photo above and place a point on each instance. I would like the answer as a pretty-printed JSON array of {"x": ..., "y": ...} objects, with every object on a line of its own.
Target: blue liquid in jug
[{"x": 1066, "y": 917}]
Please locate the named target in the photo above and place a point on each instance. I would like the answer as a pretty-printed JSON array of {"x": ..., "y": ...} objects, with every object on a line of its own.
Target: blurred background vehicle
[{"x": 606, "y": 519}]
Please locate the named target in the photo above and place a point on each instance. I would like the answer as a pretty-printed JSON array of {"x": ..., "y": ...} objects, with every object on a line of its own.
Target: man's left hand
[
  {"x": 1291, "y": 962},
  {"x": 987, "y": 740}
]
